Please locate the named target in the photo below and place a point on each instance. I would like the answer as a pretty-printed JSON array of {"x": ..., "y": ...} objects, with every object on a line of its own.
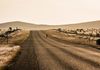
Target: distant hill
[
  {"x": 24, "y": 25},
  {"x": 85, "y": 25},
  {"x": 30, "y": 26}
]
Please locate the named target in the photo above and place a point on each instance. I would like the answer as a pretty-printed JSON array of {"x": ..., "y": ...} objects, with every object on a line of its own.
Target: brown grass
[
  {"x": 71, "y": 38},
  {"x": 9, "y": 51},
  {"x": 19, "y": 37},
  {"x": 7, "y": 54}
]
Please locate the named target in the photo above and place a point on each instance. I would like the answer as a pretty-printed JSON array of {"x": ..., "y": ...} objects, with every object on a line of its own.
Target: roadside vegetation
[
  {"x": 7, "y": 54},
  {"x": 10, "y": 41},
  {"x": 79, "y": 36}
]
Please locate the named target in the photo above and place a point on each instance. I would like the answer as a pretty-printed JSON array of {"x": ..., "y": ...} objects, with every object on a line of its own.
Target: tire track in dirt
[
  {"x": 95, "y": 64},
  {"x": 28, "y": 58},
  {"x": 40, "y": 53},
  {"x": 57, "y": 60},
  {"x": 55, "y": 63}
]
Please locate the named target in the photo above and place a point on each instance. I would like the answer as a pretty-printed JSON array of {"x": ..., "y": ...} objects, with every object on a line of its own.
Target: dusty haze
[
  {"x": 33, "y": 26},
  {"x": 49, "y": 11}
]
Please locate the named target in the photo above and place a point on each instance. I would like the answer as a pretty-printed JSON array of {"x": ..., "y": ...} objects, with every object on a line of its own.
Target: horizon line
[{"x": 47, "y": 24}]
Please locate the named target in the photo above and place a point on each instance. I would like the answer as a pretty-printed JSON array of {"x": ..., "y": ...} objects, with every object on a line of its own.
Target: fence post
[{"x": 7, "y": 38}]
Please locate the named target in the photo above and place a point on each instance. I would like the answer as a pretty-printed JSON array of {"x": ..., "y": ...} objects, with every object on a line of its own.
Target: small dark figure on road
[{"x": 46, "y": 35}]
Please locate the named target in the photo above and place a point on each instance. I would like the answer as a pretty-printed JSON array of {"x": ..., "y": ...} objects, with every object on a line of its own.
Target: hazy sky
[{"x": 49, "y": 11}]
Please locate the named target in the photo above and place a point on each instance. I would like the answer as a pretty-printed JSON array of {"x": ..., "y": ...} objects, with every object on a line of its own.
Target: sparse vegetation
[
  {"x": 7, "y": 54},
  {"x": 10, "y": 49},
  {"x": 18, "y": 38},
  {"x": 80, "y": 36}
]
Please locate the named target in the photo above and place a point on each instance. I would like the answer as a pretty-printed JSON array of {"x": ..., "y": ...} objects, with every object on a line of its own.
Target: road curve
[{"x": 44, "y": 53}]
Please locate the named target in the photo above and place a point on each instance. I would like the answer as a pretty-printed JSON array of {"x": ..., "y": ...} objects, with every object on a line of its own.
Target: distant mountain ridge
[
  {"x": 84, "y": 25},
  {"x": 30, "y": 26},
  {"x": 23, "y": 25}
]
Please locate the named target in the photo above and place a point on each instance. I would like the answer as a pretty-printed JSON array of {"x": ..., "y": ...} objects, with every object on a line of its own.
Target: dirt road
[{"x": 43, "y": 53}]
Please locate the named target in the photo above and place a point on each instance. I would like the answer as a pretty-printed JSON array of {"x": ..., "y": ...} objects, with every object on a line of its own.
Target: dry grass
[
  {"x": 9, "y": 51},
  {"x": 72, "y": 38},
  {"x": 7, "y": 54},
  {"x": 19, "y": 37}
]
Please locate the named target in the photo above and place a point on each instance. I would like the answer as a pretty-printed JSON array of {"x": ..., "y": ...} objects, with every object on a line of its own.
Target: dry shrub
[
  {"x": 9, "y": 51},
  {"x": 19, "y": 37},
  {"x": 71, "y": 38},
  {"x": 7, "y": 54}
]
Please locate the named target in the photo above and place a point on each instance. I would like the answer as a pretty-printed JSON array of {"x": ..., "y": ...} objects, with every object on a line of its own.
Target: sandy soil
[
  {"x": 44, "y": 53},
  {"x": 8, "y": 52},
  {"x": 72, "y": 38}
]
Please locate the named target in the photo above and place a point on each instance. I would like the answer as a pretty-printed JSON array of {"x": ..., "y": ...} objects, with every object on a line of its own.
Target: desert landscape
[
  {"x": 26, "y": 46},
  {"x": 49, "y": 34}
]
